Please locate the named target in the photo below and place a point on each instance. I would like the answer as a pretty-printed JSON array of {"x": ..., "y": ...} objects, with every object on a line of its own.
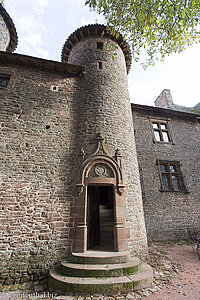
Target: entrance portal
[
  {"x": 99, "y": 210},
  {"x": 100, "y": 218}
]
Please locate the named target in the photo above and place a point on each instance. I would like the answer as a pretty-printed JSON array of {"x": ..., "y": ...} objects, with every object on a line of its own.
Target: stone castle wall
[
  {"x": 168, "y": 214},
  {"x": 42, "y": 131},
  {"x": 36, "y": 171}
]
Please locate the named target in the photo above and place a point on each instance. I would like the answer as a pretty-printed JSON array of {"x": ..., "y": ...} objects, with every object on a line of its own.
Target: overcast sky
[{"x": 44, "y": 25}]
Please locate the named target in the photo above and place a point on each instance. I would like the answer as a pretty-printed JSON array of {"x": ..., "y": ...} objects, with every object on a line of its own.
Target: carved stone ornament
[
  {"x": 100, "y": 144},
  {"x": 78, "y": 189},
  {"x": 101, "y": 170},
  {"x": 120, "y": 189},
  {"x": 118, "y": 153},
  {"x": 101, "y": 165},
  {"x": 82, "y": 152}
]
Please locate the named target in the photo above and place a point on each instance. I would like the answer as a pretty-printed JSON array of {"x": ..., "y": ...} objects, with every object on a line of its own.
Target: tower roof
[
  {"x": 11, "y": 27},
  {"x": 95, "y": 30}
]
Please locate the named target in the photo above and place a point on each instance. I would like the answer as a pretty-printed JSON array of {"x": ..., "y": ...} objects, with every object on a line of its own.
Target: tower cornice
[{"x": 95, "y": 30}]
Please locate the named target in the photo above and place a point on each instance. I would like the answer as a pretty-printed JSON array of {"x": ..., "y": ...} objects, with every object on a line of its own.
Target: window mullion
[
  {"x": 170, "y": 177},
  {"x": 160, "y": 131}
]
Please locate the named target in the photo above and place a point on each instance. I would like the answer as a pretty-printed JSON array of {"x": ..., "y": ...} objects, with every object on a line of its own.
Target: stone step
[
  {"x": 106, "y": 270},
  {"x": 106, "y": 226},
  {"x": 106, "y": 235},
  {"x": 105, "y": 286},
  {"x": 100, "y": 257},
  {"x": 106, "y": 213},
  {"x": 107, "y": 222}
]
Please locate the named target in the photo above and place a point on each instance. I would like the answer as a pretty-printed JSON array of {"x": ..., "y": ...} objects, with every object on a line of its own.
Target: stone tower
[
  {"x": 104, "y": 110},
  {"x": 8, "y": 34}
]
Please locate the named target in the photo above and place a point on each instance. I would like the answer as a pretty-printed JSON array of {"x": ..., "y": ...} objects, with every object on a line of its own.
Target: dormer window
[{"x": 100, "y": 64}]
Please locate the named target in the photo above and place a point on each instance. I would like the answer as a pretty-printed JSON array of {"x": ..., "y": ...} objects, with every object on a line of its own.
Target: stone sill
[
  {"x": 172, "y": 191},
  {"x": 163, "y": 142}
]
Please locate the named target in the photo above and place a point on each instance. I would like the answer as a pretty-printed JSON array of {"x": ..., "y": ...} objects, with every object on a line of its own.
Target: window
[
  {"x": 100, "y": 65},
  {"x": 170, "y": 175},
  {"x": 161, "y": 131},
  {"x": 4, "y": 80},
  {"x": 100, "y": 45}
]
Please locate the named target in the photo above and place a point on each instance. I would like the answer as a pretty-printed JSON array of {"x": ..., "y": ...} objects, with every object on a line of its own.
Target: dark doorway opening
[{"x": 100, "y": 218}]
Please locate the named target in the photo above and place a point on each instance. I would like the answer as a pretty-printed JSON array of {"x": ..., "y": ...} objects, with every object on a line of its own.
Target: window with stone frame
[
  {"x": 100, "y": 45},
  {"x": 4, "y": 80},
  {"x": 161, "y": 131},
  {"x": 170, "y": 176}
]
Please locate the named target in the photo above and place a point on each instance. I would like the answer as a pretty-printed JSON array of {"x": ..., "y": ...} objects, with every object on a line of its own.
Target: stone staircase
[
  {"x": 101, "y": 272},
  {"x": 106, "y": 227}
]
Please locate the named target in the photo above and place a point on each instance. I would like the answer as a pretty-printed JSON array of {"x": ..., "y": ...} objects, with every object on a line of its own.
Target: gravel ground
[
  {"x": 176, "y": 277},
  {"x": 186, "y": 285}
]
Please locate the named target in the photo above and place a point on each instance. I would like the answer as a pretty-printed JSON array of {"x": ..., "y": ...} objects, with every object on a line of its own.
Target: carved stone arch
[
  {"x": 107, "y": 167},
  {"x": 101, "y": 157},
  {"x": 99, "y": 169}
]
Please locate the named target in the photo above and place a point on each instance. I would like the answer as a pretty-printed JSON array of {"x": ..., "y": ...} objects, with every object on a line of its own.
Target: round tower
[
  {"x": 8, "y": 34},
  {"x": 108, "y": 176}
]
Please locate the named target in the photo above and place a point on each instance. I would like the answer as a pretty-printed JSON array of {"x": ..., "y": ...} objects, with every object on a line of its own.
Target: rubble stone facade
[
  {"x": 50, "y": 112},
  {"x": 168, "y": 214},
  {"x": 37, "y": 170}
]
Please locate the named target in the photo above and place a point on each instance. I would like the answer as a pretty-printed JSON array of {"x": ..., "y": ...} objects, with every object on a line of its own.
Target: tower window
[
  {"x": 100, "y": 45},
  {"x": 4, "y": 80},
  {"x": 100, "y": 65},
  {"x": 54, "y": 88}
]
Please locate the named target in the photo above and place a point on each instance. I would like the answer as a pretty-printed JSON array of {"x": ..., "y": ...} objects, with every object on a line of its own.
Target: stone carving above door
[
  {"x": 100, "y": 167},
  {"x": 101, "y": 170}
]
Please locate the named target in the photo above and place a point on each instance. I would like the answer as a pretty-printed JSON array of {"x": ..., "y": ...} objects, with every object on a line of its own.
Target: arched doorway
[
  {"x": 100, "y": 218},
  {"x": 100, "y": 203}
]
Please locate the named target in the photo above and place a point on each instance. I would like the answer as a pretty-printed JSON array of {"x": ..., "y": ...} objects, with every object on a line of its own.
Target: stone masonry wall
[
  {"x": 42, "y": 130},
  {"x": 4, "y": 35},
  {"x": 168, "y": 214},
  {"x": 36, "y": 171}
]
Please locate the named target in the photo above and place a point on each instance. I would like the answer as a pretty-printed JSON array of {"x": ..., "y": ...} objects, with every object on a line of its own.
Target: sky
[{"x": 44, "y": 25}]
